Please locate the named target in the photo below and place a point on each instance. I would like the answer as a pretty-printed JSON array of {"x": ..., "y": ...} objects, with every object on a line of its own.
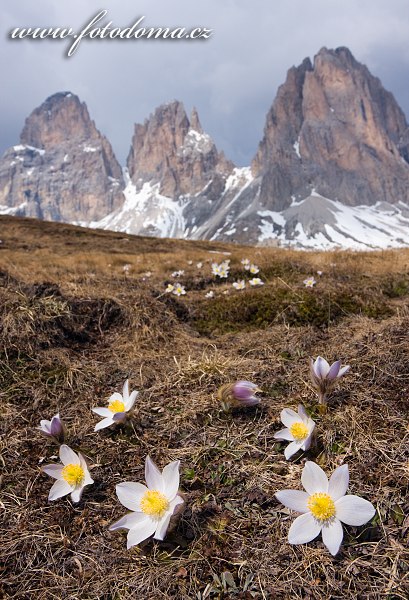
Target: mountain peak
[
  {"x": 336, "y": 130},
  {"x": 61, "y": 117},
  {"x": 171, "y": 150}
]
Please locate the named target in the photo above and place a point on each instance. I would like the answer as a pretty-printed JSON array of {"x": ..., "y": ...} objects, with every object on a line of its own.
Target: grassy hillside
[{"x": 74, "y": 325}]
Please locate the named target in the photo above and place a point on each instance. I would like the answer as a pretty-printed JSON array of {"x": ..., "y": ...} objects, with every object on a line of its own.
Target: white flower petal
[
  {"x": 170, "y": 477},
  {"x": 45, "y": 425},
  {"x": 68, "y": 456},
  {"x": 104, "y": 423},
  {"x": 163, "y": 524},
  {"x": 292, "y": 448},
  {"x": 332, "y": 535},
  {"x": 115, "y": 396},
  {"x": 338, "y": 483},
  {"x": 102, "y": 412},
  {"x": 321, "y": 367},
  {"x": 153, "y": 476},
  {"x": 77, "y": 493},
  {"x": 343, "y": 370},
  {"x": 305, "y": 445},
  {"x": 53, "y": 470},
  {"x": 128, "y": 521},
  {"x": 304, "y": 529},
  {"x": 131, "y": 401},
  {"x": 294, "y": 499},
  {"x": 354, "y": 510},
  {"x": 125, "y": 391},
  {"x": 87, "y": 477},
  {"x": 313, "y": 478},
  {"x": 59, "y": 489},
  {"x": 303, "y": 413},
  {"x": 289, "y": 417},
  {"x": 130, "y": 493},
  {"x": 140, "y": 532},
  {"x": 284, "y": 434}
]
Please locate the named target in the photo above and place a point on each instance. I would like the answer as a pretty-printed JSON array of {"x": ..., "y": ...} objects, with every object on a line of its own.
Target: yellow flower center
[
  {"x": 73, "y": 474},
  {"x": 322, "y": 506},
  {"x": 299, "y": 431},
  {"x": 154, "y": 504},
  {"x": 116, "y": 406}
]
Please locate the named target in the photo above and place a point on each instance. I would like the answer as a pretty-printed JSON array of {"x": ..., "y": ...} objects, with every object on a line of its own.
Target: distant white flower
[
  {"x": 256, "y": 281},
  {"x": 246, "y": 263},
  {"x": 127, "y": 268},
  {"x": 239, "y": 285},
  {"x": 152, "y": 506},
  {"x": 309, "y": 282},
  {"x": 221, "y": 270},
  {"x": 215, "y": 269},
  {"x": 199, "y": 265},
  {"x": 148, "y": 274},
  {"x": 190, "y": 262},
  {"x": 254, "y": 269},
  {"x": 298, "y": 430},
  {"x": 319, "y": 273},
  {"x": 324, "y": 506},
  {"x": 179, "y": 290},
  {"x": 54, "y": 428},
  {"x": 178, "y": 273},
  {"x": 169, "y": 288},
  {"x": 226, "y": 292},
  {"x": 72, "y": 476},
  {"x": 209, "y": 294},
  {"x": 118, "y": 407}
]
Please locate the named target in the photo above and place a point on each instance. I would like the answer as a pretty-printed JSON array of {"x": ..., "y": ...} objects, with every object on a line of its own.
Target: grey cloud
[{"x": 232, "y": 78}]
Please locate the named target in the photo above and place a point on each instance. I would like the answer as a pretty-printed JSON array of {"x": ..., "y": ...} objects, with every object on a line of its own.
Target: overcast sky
[{"x": 231, "y": 78}]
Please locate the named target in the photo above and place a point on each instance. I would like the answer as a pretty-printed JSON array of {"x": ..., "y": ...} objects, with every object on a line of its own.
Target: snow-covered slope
[{"x": 312, "y": 223}]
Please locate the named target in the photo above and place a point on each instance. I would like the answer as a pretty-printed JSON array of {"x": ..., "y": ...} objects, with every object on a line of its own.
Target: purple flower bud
[
  {"x": 54, "y": 428},
  {"x": 324, "y": 376},
  {"x": 243, "y": 392}
]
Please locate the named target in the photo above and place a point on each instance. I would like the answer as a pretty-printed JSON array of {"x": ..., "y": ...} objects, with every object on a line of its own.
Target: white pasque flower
[
  {"x": 72, "y": 476},
  {"x": 246, "y": 263},
  {"x": 152, "y": 506},
  {"x": 324, "y": 506},
  {"x": 256, "y": 281},
  {"x": 309, "y": 282},
  {"x": 118, "y": 407},
  {"x": 298, "y": 430},
  {"x": 178, "y": 273},
  {"x": 199, "y": 265},
  {"x": 239, "y": 285},
  {"x": 179, "y": 290},
  {"x": 254, "y": 269},
  {"x": 169, "y": 288},
  {"x": 209, "y": 294}
]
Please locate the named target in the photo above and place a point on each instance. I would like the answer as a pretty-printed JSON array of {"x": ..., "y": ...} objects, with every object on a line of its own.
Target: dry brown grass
[{"x": 72, "y": 328}]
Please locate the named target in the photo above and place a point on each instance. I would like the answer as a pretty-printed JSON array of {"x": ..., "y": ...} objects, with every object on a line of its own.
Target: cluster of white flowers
[
  {"x": 177, "y": 289},
  {"x": 324, "y": 505},
  {"x": 221, "y": 270},
  {"x": 152, "y": 506}
]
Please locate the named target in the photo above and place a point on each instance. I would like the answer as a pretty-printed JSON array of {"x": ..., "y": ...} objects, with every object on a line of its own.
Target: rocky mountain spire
[
  {"x": 334, "y": 129},
  {"x": 64, "y": 169},
  {"x": 171, "y": 150}
]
